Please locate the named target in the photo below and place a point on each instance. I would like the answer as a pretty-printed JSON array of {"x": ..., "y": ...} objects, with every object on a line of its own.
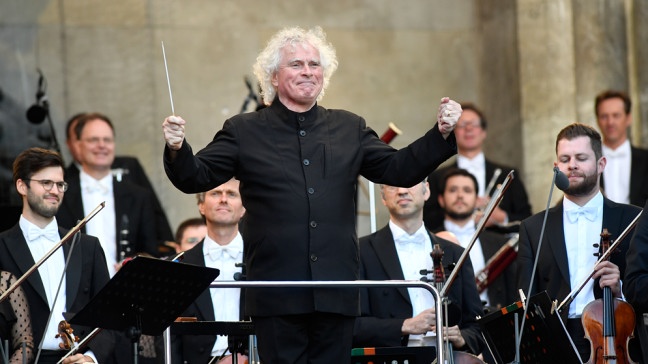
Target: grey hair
[{"x": 268, "y": 61}]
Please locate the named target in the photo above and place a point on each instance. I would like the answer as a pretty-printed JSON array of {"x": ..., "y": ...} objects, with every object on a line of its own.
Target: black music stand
[
  {"x": 145, "y": 297},
  {"x": 544, "y": 340}
]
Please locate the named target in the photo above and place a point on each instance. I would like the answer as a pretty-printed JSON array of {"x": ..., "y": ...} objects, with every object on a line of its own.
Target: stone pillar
[
  {"x": 600, "y": 52},
  {"x": 547, "y": 88},
  {"x": 639, "y": 59}
]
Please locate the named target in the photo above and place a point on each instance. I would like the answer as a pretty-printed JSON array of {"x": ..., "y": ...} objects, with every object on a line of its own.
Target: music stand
[
  {"x": 544, "y": 338},
  {"x": 145, "y": 297}
]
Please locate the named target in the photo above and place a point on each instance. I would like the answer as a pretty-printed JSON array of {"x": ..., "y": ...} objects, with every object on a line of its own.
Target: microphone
[
  {"x": 37, "y": 112},
  {"x": 562, "y": 182}
]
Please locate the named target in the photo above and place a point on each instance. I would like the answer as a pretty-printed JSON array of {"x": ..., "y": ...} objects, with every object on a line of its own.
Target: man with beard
[
  {"x": 38, "y": 177},
  {"x": 458, "y": 200},
  {"x": 567, "y": 257}
]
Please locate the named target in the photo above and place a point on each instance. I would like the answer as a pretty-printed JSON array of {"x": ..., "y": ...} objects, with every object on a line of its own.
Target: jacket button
[
  {"x": 306, "y": 162},
  {"x": 302, "y": 133},
  {"x": 301, "y": 118},
  {"x": 313, "y": 224},
  {"x": 313, "y": 257},
  {"x": 311, "y": 190}
]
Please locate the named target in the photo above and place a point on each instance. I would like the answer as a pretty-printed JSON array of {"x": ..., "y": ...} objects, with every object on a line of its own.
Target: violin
[
  {"x": 66, "y": 333},
  {"x": 609, "y": 323},
  {"x": 438, "y": 272}
]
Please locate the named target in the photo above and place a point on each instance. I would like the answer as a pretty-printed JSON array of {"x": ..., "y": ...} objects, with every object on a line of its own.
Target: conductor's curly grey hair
[{"x": 268, "y": 61}]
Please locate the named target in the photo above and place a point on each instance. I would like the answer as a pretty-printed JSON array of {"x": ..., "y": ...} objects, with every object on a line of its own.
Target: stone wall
[{"x": 533, "y": 66}]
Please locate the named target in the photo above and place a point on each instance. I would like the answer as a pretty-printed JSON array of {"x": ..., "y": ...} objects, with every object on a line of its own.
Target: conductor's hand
[
  {"x": 77, "y": 358},
  {"x": 610, "y": 276},
  {"x": 174, "y": 134},
  {"x": 448, "y": 115},
  {"x": 420, "y": 324}
]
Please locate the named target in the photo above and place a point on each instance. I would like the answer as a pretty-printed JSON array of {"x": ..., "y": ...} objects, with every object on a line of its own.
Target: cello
[
  {"x": 609, "y": 323},
  {"x": 438, "y": 272}
]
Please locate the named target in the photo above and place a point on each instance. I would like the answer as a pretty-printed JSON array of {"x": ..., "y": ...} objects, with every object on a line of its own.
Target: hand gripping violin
[{"x": 609, "y": 323}]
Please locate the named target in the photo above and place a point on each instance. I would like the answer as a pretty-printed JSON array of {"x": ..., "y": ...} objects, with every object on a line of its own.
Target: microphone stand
[
  {"x": 67, "y": 237},
  {"x": 519, "y": 333},
  {"x": 494, "y": 201}
]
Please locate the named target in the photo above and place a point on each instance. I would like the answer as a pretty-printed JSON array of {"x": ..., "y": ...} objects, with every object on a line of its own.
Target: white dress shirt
[
  {"x": 103, "y": 225},
  {"x": 616, "y": 176},
  {"x": 464, "y": 234},
  {"x": 581, "y": 234},
  {"x": 414, "y": 255},
  {"x": 477, "y": 167},
  {"x": 226, "y": 301}
]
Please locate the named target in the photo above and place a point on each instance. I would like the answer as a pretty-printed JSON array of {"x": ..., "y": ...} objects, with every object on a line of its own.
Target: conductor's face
[{"x": 299, "y": 79}]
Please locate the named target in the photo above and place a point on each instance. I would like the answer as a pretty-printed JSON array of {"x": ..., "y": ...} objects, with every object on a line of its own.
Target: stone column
[{"x": 547, "y": 87}]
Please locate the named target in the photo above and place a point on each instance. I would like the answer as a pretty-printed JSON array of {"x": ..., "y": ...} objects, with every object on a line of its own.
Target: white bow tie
[
  {"x": 416, "y": 240},
  {"x": 218, "y": 252},
  {"x": 589, "y": 213},
  {"x": 93, "y": 187},
  {"x": 616, "y": 154},
  {"x": 49, "y": 233}
]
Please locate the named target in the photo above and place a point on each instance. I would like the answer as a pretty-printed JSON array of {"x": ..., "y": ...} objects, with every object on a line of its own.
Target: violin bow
[
  {"x": 492, "y": 203},
  {"x": 42, "y": 260},
  {"x": 604, "y": 256}
]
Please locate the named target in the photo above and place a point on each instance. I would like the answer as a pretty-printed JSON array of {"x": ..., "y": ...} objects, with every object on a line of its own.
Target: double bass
[
  {"x": 438, "y": 272},
  {"x": 609, "y": 323}
]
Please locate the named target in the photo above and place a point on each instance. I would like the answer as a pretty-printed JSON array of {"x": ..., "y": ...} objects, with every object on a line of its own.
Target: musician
[
  {"x": 625, "y": 178},
  {"x": 190, "y": 232},
  {"x": 458, "y": 199},
  {"x": 124, "y": 168},
  {"x": 471, "y": 134},
  {"x": 298, "y": 165},
  {"x": 635, "y": 283},
  {"x": 222, "y": 248},
  {"x": 406, "y": 316},
  {"x": 126, "y": 225},
  {"x": 573, "y": 226},
  {"x": 15, "y": 322},
  {"x": 38, "y": 177}
]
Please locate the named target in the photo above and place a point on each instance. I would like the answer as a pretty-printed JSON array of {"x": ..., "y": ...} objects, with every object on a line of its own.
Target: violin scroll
[{"x": 66, "y": 333}]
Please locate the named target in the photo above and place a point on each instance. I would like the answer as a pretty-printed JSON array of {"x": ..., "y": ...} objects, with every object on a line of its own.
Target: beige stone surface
[{"x": 532, "y": 65}]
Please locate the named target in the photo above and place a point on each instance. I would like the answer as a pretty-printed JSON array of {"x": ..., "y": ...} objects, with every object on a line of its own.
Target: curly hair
[{"x": 268, "y": 61}]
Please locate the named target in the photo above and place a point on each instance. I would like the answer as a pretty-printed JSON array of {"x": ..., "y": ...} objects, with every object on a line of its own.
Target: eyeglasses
[
  {"x": 465, "y": 124},
  {"x": 97, "y": 140},
  {"x": 49, "y": 184}
]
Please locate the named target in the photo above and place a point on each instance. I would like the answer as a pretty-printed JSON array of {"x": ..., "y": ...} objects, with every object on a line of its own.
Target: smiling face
[
  {"x": 469, "y": 133},
  {"x": 39, "y": 204},
  {"x": 299, "y": 79},
  {"x": 97, "y": 146}
]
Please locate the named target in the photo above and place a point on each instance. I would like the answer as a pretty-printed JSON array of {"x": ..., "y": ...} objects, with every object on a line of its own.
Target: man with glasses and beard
[
  {"x": 38, "y": 178},
  {"x": 566, "y": 257}
]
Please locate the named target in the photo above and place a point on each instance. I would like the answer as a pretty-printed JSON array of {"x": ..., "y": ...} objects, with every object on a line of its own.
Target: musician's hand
[
  {"x": 78, "y": 358},
  {"x": 421, "y": 324},
  {"x": 610, "y": 276},
  {"x": 447, "y": 116},
  {"x": 453, "y": 334},
  {"x": 497, "y": 217},
  {"x": 174, "y": 134}
]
